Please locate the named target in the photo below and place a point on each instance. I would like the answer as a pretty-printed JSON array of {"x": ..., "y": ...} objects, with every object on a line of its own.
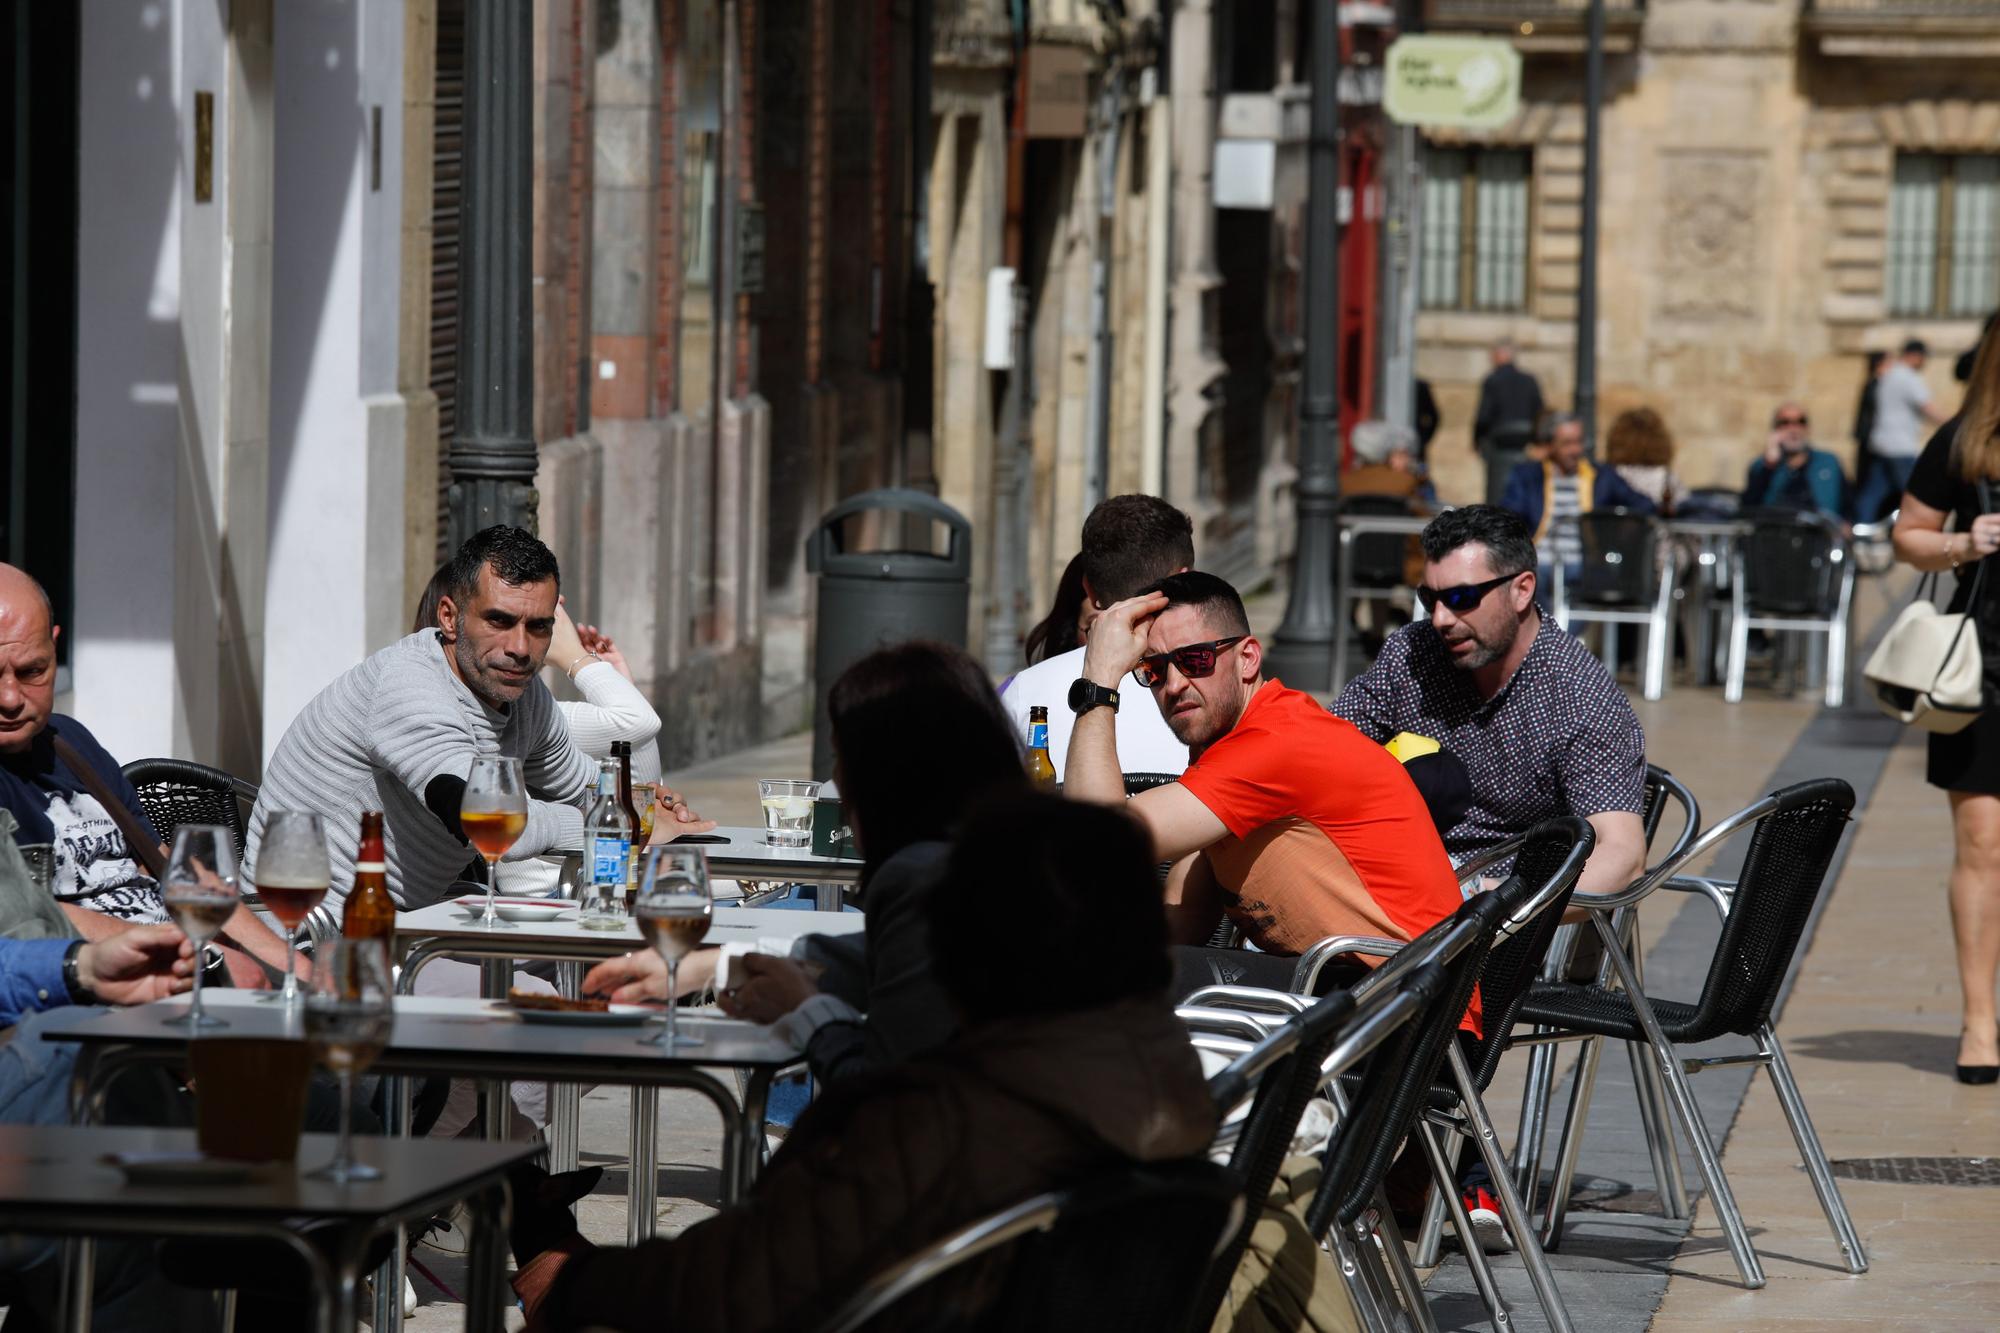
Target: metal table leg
[
  {"x": 642, "y": 1203},
  {"x": 486, "y": 1274},
  {"x": 495, "y": 975}
]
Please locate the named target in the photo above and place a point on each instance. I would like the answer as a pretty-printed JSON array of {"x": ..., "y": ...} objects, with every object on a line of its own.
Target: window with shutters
[
  {"x": 1474, "y": 239},
  {"x": 1944, "y": 235}
]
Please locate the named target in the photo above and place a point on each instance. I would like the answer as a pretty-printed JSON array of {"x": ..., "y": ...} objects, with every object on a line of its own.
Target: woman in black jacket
[{"x": 919, "y": 736}]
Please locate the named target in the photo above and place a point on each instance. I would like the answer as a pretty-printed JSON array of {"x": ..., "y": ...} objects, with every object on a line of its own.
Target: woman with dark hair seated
[
  {"x": 918, "y": 737},
  {"x": 1064, "y": 626},
  {"x": 1070, "y": 1060}
]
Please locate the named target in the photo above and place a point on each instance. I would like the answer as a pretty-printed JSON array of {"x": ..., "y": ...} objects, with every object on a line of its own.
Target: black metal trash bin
[{"x": 869, "y": 599}]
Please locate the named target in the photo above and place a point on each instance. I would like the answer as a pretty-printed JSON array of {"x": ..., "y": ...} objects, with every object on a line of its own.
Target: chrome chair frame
[
  {"x": 1834, "y": 626},
  {"x": 1656, "y": 622},
  {"x": 1769, "y": 1054}
]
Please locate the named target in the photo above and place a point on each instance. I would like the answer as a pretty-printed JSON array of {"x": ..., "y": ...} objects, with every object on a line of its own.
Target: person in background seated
[
  {"x": 1553, "y": 493},
  {"x": 49, "y": 764},
  {"x": 612, "y": 709},
  {"x": 1640, "y": 448},
  {"x": 1129, "y": 541},
  {"x": 1069, "y": 1061},
  {"x": 1793, "y": 474},
  {"x": 1061, "y": 630},
  {"x": 1288, "y": 820},
  {"x": 918, "y": 740}
]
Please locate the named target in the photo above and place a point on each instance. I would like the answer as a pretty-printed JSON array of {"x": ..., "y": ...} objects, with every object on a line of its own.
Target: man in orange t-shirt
[{"x": 1288, "y": 819}]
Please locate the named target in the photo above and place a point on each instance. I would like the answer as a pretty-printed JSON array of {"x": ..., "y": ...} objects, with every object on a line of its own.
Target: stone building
[{"x": 1787, "y": 184}]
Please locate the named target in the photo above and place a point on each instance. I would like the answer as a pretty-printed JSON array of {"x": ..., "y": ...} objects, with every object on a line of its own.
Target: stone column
[{"x": 1194, "y": 370}]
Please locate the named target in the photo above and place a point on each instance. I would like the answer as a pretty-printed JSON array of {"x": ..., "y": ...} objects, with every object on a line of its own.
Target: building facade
[{"x": 1787, "y": 185}]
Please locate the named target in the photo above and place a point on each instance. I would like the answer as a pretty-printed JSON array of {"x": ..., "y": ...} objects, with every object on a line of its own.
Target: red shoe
[{"x": 1487, "y": 1226}]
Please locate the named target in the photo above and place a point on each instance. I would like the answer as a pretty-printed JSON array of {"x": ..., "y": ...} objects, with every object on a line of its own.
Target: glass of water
[{"x": 788, "y": 811}]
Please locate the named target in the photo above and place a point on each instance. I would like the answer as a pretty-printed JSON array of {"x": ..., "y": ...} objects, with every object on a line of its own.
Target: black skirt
[{"x": 1969, "y": 760}]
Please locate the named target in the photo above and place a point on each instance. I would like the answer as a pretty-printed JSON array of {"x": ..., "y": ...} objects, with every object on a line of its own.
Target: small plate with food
[
  {"x": 534, "y": 1007},
  {"x": 518, "y": 909}
]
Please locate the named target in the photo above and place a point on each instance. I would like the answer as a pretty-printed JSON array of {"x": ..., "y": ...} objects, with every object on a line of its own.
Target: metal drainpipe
[
  {"x": 1097, "y": 466},
  {"x": 1013, "y": 446}
]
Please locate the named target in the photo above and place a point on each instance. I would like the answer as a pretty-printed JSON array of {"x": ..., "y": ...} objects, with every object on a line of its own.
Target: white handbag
[{"x": 1928, "y": 670}]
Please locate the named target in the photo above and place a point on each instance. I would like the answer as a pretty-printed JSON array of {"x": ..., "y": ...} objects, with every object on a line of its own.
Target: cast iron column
[
  {"x": 1586, "y": 296},
  {"x": 493, "y": 453},
  {"x": 1301, "y": 651}
]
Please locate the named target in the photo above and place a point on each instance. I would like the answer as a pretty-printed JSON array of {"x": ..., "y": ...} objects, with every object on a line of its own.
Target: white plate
[
  {"x": 618, "y": 1016},
  {"x": 179, "y": 1168},
  {"x": 519, "y": 909}
]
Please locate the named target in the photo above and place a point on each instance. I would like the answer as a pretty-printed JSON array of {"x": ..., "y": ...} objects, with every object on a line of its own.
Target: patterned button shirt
[{"x": 1560, "y": 738}]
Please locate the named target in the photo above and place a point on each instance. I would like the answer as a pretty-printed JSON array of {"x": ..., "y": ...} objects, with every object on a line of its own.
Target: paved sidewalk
[{"x": 1871, "y": 1029}]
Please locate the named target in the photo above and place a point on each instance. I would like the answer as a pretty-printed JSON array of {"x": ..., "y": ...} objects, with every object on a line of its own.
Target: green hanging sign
[{"x": 1466, "y": 82}]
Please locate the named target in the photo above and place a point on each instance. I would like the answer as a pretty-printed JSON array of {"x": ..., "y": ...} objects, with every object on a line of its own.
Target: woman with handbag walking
[{"x": 1952, "y": 480}]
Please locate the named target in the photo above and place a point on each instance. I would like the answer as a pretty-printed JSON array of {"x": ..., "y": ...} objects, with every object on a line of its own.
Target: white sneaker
[{"x": 1487, "y": 1226}]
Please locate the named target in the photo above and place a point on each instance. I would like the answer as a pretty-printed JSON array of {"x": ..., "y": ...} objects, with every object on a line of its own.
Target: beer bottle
[
  {"x": 1041, "y": 769},
  {"x": 370, "y": 913}
]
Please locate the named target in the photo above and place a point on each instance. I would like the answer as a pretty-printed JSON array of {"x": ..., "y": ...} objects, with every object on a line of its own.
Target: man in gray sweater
[{"x": 399, "y": 732}]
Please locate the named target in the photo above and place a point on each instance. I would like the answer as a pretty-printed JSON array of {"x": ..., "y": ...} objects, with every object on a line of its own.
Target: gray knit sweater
[{"x": 374, "y": 739}]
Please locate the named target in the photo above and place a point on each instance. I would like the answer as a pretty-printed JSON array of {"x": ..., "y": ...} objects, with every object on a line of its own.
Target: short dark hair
[
  {"x": 1218, "y": 602},
  {"x": 517, "y": 557},
  {"x": 1130, "y": 541},
  {"x": 1916, "y": 346},
  {"x": 1084, "y": 875},
  {"x": 920, "y": 735},
  {"x": 1510, "y": 547}
]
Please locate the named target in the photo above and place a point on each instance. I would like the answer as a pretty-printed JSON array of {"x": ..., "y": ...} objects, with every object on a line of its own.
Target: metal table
[
  {"x": 53, "y": 1183},
  {"x": 464, "y": 1038}
]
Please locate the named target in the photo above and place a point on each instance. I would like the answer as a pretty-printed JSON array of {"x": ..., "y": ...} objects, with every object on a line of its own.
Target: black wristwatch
[
  {"x": 1088, "y": 694},
  {"x": 73, "y": 979}
]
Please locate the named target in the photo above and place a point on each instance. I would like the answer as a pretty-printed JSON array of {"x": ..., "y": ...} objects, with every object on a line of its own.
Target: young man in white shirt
[{"x": 1129, "y": 542}]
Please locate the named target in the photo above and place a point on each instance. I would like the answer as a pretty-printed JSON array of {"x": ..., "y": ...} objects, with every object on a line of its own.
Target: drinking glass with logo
[
  {"x": 292, "y": 875},
  {"x": 349, "y": 1012},
  {"x": 672, "y": 914},
  {"x": 199, "y": 886},
  {"x": 493, "y": 814}
]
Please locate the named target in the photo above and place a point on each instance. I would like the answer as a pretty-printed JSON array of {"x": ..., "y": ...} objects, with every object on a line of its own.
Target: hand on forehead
[{"x": 1176, "y": 627}]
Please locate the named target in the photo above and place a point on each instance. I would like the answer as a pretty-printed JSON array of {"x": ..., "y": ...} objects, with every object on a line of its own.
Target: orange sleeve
[{"x": 1245, "y": 779}]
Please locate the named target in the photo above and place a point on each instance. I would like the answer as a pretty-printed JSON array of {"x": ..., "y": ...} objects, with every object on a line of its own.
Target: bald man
[
  {"x": 1792, "y": 473},
  {"x": 100, "y": 886}
]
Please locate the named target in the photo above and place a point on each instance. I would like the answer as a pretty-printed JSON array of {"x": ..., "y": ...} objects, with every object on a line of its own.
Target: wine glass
[
  {"x": 493, "y": 813},
  {"x": 349, "y": 1011},
  {"x": 672, "y": 914},
  {"x": 292, "y": 875},
  {"x": 200, "y": 892}
]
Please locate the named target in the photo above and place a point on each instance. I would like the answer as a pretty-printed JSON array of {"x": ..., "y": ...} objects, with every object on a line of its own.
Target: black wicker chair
[
  {"x": 1793, "y": 574},
  {"x": 1547, "y": 861},
  {"x": 1128, "y": 1248},
  {"x": 1623, "y": 581},
  {"x": 1794, "y": 834},
  {"x": 174, "y": 792}
]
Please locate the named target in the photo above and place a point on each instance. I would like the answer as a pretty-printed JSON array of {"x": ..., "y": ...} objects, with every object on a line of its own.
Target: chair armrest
[
  {"x": 1720, "y": 893},
  {"x": 1225, "y": 1022},
  {"x": 1305, "y": 977},
  {"x": 1248, "y": 999},
  {"x": 1036, "y": 1214}
]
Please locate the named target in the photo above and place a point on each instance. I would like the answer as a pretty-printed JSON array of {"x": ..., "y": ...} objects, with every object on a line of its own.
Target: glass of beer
[
  {"x": 493, "y": 813},
  {"x": 349, "y": 1013},
  {"x": 672, "y": 915},
  {"x": 199, "y": 886},
  {"x": 292, "y": 876}
]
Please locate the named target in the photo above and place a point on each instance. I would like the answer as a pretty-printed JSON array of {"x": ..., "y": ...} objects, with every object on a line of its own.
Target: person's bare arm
[
  {"x": 93, "y": 925},
  {"x": 1922, "y": 542},
  {"x": 1619, "y": 856},
  {"x": 1194, "y": 901},
  {"x": 253, "y": 937},
  {"x": 1117, "y": 641},
  {"x": 136, "y": 964}
]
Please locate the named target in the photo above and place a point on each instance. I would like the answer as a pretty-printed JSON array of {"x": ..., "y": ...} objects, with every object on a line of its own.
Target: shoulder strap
[{"x": 144, "y": 849}]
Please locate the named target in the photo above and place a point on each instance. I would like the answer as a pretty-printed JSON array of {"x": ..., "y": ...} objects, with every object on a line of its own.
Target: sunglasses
[
  {"x": 1789, "y": 421},
  {"x": 1462, "y": 598},
  {"x": 1195, "y": 660}
]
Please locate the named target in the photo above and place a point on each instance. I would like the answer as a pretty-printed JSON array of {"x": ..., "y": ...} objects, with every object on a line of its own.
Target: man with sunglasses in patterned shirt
[
  {"x": 1540, "y": 725},
  {"x": 1288, "y": 820}
]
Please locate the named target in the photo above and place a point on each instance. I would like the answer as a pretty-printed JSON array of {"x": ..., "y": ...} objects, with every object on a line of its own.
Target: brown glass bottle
[
  {"x": 370, "y": 913},
  {"x": 1041, "y": 769}
]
